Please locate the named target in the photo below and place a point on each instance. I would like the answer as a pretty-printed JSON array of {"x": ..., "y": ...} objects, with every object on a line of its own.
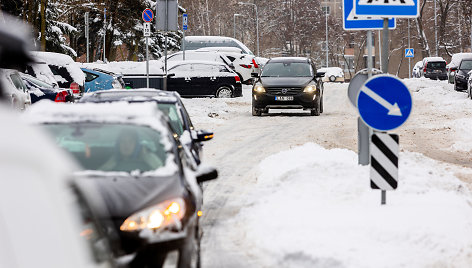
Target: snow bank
[{"x": 317, "y": 210}]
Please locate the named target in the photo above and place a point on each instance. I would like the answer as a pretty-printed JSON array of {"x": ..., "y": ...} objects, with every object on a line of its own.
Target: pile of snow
[
  {"x": 127, "y": 67},
  {"x": 317, "y": 210},
  {"x": 61, "y": 60}
]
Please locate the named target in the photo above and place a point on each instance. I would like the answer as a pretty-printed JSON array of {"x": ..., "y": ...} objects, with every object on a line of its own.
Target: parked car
[
  {"x": 152, "y": 195},
  {"x": 41, "y": 71},
  {"x": 168, "y": 102},
  {"x": 288, "y": 83},
  {"x": 101, "y": 80},
  {"x": 15, "y": 89},
  {"x": 203, "y": 79},
  {"x": 40, "y": 90},
  {"x": 454, "y": 64},
  {"x": 331, "y": 74},
  {"x": 462, "y": 74},
  {"x": 434, "y": 68},
  {"x": 66, "y": 72},
  {"x": 417, "y": 70}
]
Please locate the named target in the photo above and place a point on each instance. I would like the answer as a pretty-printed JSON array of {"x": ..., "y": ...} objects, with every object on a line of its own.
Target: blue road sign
[
  {"x": 384, "y": 102},
  {"x": 148, "y": 15},
  {"x": 353, "y": 22},
  {"x": 185, "y": 22},
  {"x": 387, "y": 8},
  {"x": 409, "y": 53}
]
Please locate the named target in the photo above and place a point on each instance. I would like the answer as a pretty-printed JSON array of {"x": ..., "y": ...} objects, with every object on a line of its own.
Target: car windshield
[
  {"x": 287, "y": 69},
  {"x": 38, "y": 82},
  {"x": 466, "y": 65},
  {"x": 436, "y": 65},
  {"x": 111, "y": 147},
  {"x": 176, "y": 121}
]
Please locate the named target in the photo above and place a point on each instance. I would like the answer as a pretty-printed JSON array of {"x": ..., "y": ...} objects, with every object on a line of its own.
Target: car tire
[
  {"x": 332, "y": 78},
  {"x": 256, "y": 112},
  {"x": 224, "y": 92}
]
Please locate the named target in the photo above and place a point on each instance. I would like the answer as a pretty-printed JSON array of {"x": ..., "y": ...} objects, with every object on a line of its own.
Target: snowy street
[{"x": 290, "y": 192}]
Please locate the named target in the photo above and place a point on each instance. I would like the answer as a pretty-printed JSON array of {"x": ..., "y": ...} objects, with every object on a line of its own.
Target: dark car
[
  {"x": 170, "y": 104},
  {"x": 40, "y": 90},
  {"x": 288, "y": 83},
  {"x": 203, "y": 79},
  {"x": 151, "y": 193},
  {"x": 435, "y": 69},
  {"x": 462, "y": 74}
]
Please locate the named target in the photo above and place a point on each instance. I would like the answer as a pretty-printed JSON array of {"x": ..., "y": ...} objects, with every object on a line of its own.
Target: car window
[
  {"x": 62, "y": 76},
  {"x": 111, "y": 147},
  {"x": 287, "y": 69},
  {"x": 466, "y": 65},
  {"x": 436, "y": 65},
  {"x": 38, "y": 82},
  {"x": 223, "y": 69},
  {"x": 182, "y": 68},
  {"x": 204, "y": 68},
  {"x": 89, "y": 77},
  {"x": 16, "y": 79},
  {"x": 176, "y": 121}
]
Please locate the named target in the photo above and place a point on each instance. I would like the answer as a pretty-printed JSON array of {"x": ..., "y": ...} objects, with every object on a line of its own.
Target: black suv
[
  {"x": 462, "y": 74},
  {"x": 435, "y": 69},
  {"x": 288, "y": 83}
]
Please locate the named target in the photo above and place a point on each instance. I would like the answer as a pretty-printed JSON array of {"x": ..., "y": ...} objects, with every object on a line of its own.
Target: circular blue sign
[
  {"x": 148, "y": 15},
  {"x": 384, "y": 102}
]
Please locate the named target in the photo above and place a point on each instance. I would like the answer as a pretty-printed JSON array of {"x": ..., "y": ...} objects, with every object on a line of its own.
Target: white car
[
  {"x": 332, "y": 74},
  {"x": 455, "y": 61},
  {"x": 15, "y": 89},
  {"x": 417, "y": 70}
]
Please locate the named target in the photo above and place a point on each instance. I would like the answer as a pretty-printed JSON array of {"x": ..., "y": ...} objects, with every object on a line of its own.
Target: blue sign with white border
[
  {"x": 148, "y": 15},
  {"x": 409, "y": 53},
  {"x": 185, "y": 22},
  {"x": 384, "y": 102},
  {"x": 387, "y": 8},
  {"x": 353, "y": 22}
]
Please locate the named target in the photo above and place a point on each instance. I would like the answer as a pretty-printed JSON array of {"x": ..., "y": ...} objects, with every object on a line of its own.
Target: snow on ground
[{"x": 317, "y": 210}]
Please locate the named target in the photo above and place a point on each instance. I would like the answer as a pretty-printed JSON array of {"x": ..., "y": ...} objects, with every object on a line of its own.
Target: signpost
[
  {"x": 148, "y": 16},
  {"x": 167, "y": 20},
  {"x": 184, "y": 27},
  {"x": 351, "y": 21},
  {"x": 87, "y": 34},
  {"x": 409, "y": 53}
]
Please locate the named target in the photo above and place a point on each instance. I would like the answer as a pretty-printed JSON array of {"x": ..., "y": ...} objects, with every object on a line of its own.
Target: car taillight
[
  {"x": 75, "y": 88},
  {"x": 255, "y": 63},
  {"x": 238, "y": 80},
  {"x": 248, "y": 66},
  {"x": 61, "y": 96}
]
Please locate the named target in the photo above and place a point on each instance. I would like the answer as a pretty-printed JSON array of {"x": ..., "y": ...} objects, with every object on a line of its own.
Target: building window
[{"x": 325, "y": 9}]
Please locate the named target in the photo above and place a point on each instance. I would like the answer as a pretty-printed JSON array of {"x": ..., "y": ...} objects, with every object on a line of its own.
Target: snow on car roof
[
  {"x": 141, "y": 94},
  {"x": 181, "y": 62},
  {"x": 127, "y": 67},
  {"x": 428, "y": 59},
  {"x": 289, "y": 59},
  {"x": 221, "y": 49},
  {"x": 64, "y": 60},
  {"x": 458, "y": 57}
]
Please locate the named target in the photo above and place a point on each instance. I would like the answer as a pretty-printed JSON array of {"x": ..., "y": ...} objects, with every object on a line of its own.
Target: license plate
[{"x": 284, "y": 98}]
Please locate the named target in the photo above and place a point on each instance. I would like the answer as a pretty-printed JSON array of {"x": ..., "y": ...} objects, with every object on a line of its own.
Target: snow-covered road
[{"x": 237, "y": 232}]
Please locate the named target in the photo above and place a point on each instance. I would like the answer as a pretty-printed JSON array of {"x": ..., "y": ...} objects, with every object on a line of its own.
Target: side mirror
[
  {"x": 319, "y": 75},
  {"x": 205, "y": 173},
  {"x": 255, "y": 75},
  {"x": 170, "y": 75},
  {"x": 203, "y": 135}
]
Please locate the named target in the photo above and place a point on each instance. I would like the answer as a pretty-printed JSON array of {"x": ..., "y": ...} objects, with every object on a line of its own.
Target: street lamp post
[
  {"x": 234, "y": 24},
  {"x": 327, "y": 44},
  {"x": 257, "y": 24},
  {"x": 435, "y": 29}
]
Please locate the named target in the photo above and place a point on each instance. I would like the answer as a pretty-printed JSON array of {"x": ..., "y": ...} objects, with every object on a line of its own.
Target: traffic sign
[
  {"x": 148, "y": 15},
  {"x": 384, "y": 161},
  {"x": 353, "y": 22},
  {"x": 409, "y": 53},
  {"x": 387, "y": 8},
  {"x": 185, "y": 22},
  {"x": 384, "y": 102},
  {"x": 147, "y": 29}
]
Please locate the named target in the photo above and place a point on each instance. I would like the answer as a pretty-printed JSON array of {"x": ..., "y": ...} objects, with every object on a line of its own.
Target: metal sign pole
[
  {"x": 409, "y": 46},
  {"x": 327, "y": 46},
  {"x": 147, "y": 62},
  {"x": 385, "y": 48},
  {"x": 104, "y": 35},
  {"x": 87, "y": 33},
  {"x": 165, "y": 52}
]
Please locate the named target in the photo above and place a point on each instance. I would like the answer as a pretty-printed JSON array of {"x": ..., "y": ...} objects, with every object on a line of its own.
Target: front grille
[{"x": 279, "y": 91}]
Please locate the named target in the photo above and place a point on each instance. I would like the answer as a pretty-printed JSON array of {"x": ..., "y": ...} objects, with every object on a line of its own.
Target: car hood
[
  {"x": 121, "y": 196},
  {"x": 285, "y": 81}
]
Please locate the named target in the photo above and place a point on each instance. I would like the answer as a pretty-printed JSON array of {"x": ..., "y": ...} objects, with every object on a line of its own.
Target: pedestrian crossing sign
[
  {"x": 387, "y": 8},
  {"x": 409, "y": 53}
]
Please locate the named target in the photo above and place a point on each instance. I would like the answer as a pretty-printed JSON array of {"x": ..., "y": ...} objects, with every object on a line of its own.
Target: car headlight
[
  {"x": 259, "y": 89},
  {"x": 310, "y": 89},
  {"x": 116, "y": 84},
  {"x": 166, "y": 215}
]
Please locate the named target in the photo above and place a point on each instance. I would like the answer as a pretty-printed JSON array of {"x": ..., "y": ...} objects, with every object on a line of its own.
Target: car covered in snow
[
  {"x": 434, "y": 68},
  {"x": 168, "y": 102},
  {"x": 66, "y": 72},
  {"x": 96, "y": 79},
  {"x": 461, "y": 77},
  {"x": 331, "y": 74},
  {"x": 15, "y": 89},
  {"x": 417, "y": 70},
  {"x": 454, "y": 64},
  {"x": 152, "y": 195},
  {"x": 40, "y": 90},
  {"x": 288, "y": 83},
  {"x": 203, "y": 79}
]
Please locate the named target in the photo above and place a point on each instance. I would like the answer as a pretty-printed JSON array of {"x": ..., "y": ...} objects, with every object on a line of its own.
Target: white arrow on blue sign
[
  {"x": 409, "y": 53},
  {"x": 185, "y": 22},
  {"x": 387, "y": 8},
  {"x": 384, "y": 103},
  {"x": 353, "y": 22}
]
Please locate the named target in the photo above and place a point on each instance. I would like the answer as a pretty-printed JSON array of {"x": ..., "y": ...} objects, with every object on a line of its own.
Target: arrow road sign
[
  {"x": 148, "y": 15},
  {"x": 387, "y": 8},
  {"x": 353, "y": 22},
  {"x": 409, "y": 53},
  {"x": 384, "y": 102},
  {"x": 384, "y": 161}
]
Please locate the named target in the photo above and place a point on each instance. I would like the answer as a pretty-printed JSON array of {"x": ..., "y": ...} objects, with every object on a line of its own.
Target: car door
[
  {"x": 204, "y": 81},
  {"x": 180, "y": 79}
]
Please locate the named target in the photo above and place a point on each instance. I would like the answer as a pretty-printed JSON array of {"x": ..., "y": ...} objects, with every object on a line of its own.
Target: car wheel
[
  {"x": 332, "y": 78},
  {"x": 317, "y": 110},
  {"x": 224, "y": 92},
  {"x": 256, "y": 112}
]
